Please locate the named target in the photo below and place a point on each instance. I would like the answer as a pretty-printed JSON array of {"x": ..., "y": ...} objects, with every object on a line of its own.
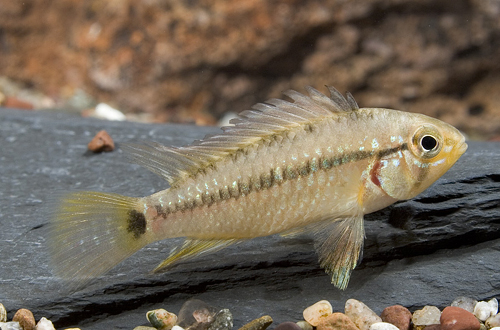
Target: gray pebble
[{"x": 223, "y": 320}]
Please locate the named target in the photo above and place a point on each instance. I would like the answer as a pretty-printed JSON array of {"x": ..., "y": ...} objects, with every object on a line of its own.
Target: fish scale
[
  {"x": 316, "y": 164},
  {"x": 257, "y": 164}
]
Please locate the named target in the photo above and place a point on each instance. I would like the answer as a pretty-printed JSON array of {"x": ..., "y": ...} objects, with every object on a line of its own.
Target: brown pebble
[
  {"x": 259, "y": 324},
  {"x": 13, "y": 102},
  {"x": 101, "y": 142},
  {"x": 337, "y": 321},
  {"x": 25, "y": 318},
  {"x": 456, "y": 318},
  {"x": 398, "y": 315}
]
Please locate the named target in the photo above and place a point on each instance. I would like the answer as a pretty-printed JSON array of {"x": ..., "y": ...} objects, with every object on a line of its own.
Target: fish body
[{"x": 316, "y": 164}]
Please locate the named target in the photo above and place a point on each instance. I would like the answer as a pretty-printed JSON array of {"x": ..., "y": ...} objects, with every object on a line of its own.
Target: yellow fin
[
  {"x": 192, "y": 248},
  {"x": 92, "y": 232},
  {"x": 339, "y": 246},
  {"x": 264, "y": 119}
]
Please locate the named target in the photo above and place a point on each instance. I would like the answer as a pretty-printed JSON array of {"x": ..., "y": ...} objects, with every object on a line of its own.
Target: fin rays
[
  {"x": 192, "y": 248},
  {"x": 88, "y": 235},
  {"x": 339, "y": 247},
  {"x": 263, "y": 120}
]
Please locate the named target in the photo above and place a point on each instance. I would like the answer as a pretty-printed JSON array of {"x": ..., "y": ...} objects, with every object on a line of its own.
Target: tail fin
[{"x": 92, "y": 232}]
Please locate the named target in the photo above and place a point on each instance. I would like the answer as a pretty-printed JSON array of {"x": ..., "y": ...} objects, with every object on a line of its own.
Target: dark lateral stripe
[
  {"x": 390, "y": 151},
  {"x": 277, "y": 176}
]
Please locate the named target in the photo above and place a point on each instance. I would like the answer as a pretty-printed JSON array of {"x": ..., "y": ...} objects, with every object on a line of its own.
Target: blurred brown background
[{"x": 192, "y": 61}]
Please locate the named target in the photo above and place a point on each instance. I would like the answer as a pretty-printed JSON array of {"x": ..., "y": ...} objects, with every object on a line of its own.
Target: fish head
[{"x": 430, "y": 148}]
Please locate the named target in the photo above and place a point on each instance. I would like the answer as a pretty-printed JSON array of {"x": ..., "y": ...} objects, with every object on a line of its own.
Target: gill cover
[{"x": 402, "y": 175}]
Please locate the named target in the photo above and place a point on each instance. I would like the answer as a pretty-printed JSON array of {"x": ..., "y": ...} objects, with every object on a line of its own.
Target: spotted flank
[{"x": 315, "y": 164}]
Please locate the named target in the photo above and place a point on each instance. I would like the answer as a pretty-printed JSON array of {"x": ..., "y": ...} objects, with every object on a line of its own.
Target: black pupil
[{"x": 428, "y": 142}]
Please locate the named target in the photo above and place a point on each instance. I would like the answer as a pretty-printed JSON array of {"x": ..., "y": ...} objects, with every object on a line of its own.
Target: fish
[{"x": 311, "y": 163}]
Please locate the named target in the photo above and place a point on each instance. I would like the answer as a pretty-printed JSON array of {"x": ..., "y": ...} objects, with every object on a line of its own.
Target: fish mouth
[{"x": 461, "y": 148}]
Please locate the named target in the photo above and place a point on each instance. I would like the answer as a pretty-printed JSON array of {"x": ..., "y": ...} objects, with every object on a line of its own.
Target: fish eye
[{"x": 427, "y": 142}]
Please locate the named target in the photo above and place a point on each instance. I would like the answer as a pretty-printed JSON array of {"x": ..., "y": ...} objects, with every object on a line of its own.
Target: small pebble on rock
[
  {"x": 314, "y": 314},
  {"x": 15, "y": 103},
  {"x": 25, "y": 318},
  {"x": 456, "y": 318},
  {"x": 337, "y": 321},
  {"x": 161, "y": 319},
  {"x": 484, "y": 310},
  {"x": 398, "y": 315},
  {"x": 493, "y": 321},
  {"x": 304, "y": 325},
  {"x": 3, "y": 313},
  {"x": 223, "y": 320},
  {"x": 287, "y": 326},
  {"x": 360, "y": 314},
  {"x": 101, "y": 142},
  {"x": 495, "y": 328},
  {"x": 465, "y": 303},
  {"x": 44, "y": 324},
  {"x": 258, "y": 324},
  {"x": 176, "y": 327},
  {"x": 426, "y": 316},
  {"x": 383, "y": 326},
  {"x": 10, "y": 326}
]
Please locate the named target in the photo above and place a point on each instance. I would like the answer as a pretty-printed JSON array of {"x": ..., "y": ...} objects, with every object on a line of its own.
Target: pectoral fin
[
  {"x": 339, "y": 247},
  {"x": 192, "y": 248}
]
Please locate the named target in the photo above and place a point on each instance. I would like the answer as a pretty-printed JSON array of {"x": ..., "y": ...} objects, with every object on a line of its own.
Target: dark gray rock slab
[{"x": 443, "y": 244}]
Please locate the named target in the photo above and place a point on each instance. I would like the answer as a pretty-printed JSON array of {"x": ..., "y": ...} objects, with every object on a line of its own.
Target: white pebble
[
  {"x": 317, "y": 312},
  {"x": 176, "y": 327},
  {"x": 494, "y": 306},
  {"x": 104, "y": 111},
  {"x": 44, "y": 324},
  {"x": 3, "y": 313},
  {"x": 483, "y": 310},
  {"x": 465, "y": 303},
  {"x": 10, "y": 326},
  {"x": 360, "y": 314},
  {"x": 225, "y": 120},
  {"x": 493, "y": 321},
  {"x": 383, "y": 326},
  {"x": 427, "y": 316},
  {"x": 495, "y": 328}
]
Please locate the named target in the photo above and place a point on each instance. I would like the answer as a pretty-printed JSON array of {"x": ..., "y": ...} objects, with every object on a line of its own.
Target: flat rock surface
[{"x": 443, "y": 244}]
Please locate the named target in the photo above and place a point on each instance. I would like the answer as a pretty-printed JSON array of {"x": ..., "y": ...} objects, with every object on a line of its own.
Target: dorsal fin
[{"x": 263, "y": 120}]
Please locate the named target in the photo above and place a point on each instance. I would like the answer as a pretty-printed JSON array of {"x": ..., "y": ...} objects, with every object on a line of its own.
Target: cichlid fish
[{"x": 318, "y": 163}]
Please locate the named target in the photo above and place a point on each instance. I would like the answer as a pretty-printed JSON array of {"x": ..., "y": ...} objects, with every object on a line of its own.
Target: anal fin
[
  {"x": 192, "y": 248},
  {"x": 339, "y": 246}
]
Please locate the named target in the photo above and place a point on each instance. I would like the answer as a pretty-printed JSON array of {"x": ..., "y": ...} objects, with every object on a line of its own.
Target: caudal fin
[{"x": 92, "y": 232}]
